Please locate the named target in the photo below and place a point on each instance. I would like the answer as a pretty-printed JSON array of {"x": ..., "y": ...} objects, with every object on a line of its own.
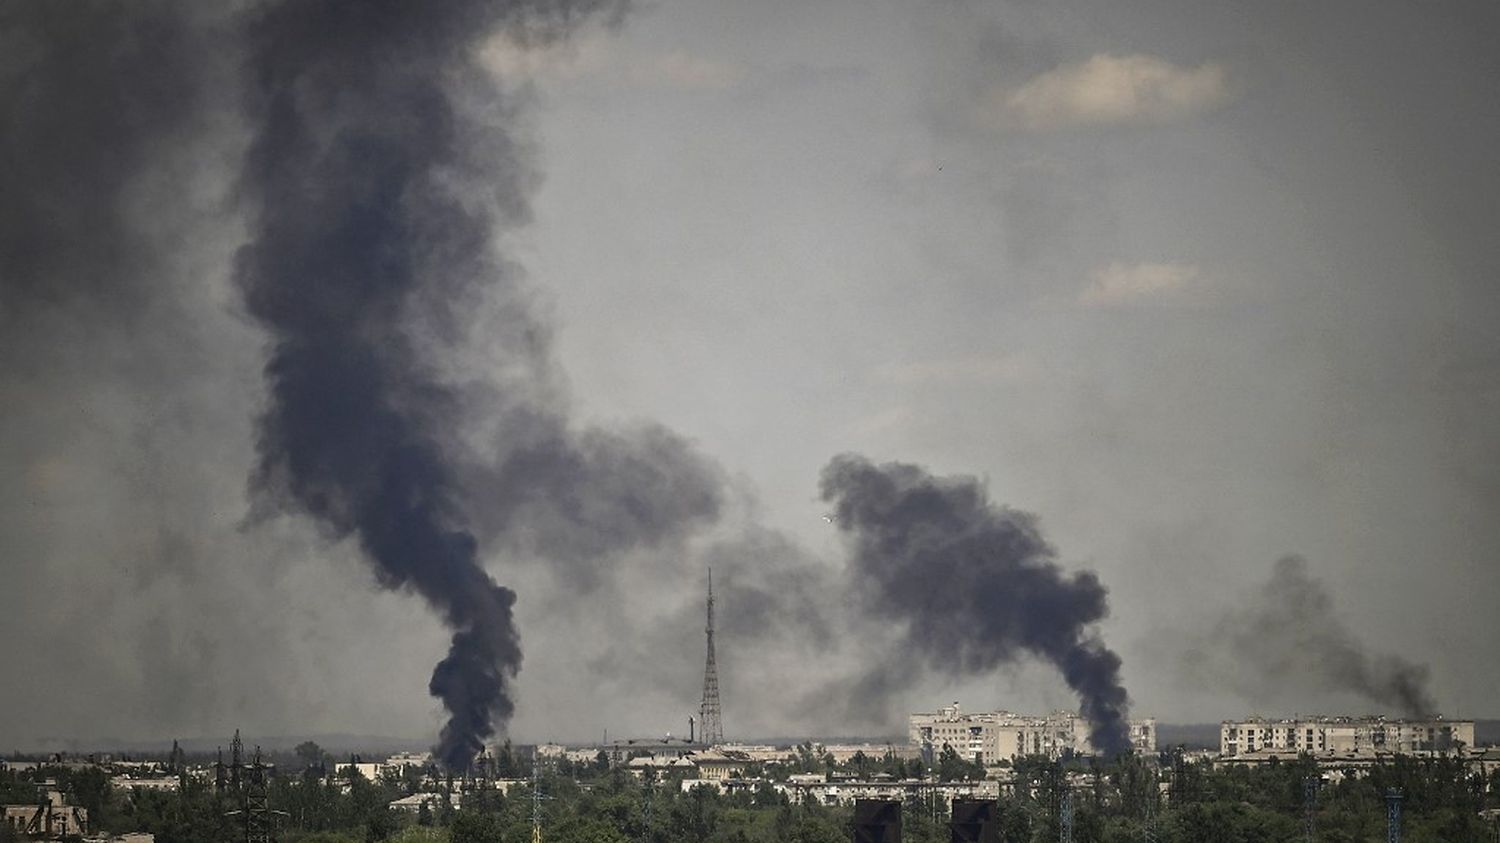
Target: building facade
[
  {"x": 50, "y": 819},
  {"x": 846, "y": 792},
  {"x": 993, "y": 736},
  {"x": 714, "y": 765},
  {"x": 1343, "y": 736}
]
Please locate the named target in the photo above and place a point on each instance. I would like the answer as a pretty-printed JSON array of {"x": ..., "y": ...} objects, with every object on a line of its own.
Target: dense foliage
[{"x": 1124, "y": 802}]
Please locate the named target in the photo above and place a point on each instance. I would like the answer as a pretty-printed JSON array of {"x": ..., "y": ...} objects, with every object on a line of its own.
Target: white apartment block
[
  {"x": 993, "y": 736},
  {"x": 1342, "y": 736}
]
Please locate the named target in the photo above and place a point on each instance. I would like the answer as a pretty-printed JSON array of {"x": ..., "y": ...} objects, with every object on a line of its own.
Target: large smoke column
[
  {"x": 376, "y": 177},
  {"x": 974, "y": 583},
  {"x": 1289, "y": 635}
]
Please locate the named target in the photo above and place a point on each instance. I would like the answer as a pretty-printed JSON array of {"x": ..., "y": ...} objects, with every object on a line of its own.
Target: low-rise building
[
  {"x": 620, "y": 752},
  {"x": 845, "y": 792},
  {"x": 844, "y": 753},
  {"x": 576, "y": 755},
  {"x": 166, "y": 784},
  {"x": 409, "y": 759},
  {"x": 434, "y": 801},
  {"x": 715, "y": 765},
  {"x": 763, "y": 753},
  {"x": 660, "y": 766},
  {"x": 994, "y": 736},
  {"x": 367, "y": 771},
  {"x": 50, "y": 819}
]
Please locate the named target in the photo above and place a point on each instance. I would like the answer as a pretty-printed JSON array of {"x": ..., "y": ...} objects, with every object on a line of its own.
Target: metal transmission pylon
[
  {"x": 1310, "y": 807},
  {"x": 708, "y": 713},
  {"x": 536, "y": 798},
  {"x": 1393, "y": 815},
  {"x": 647, "y": 778},
  {"x": 1150, "y": 819},
  {"x": 1065, "y": 816},
  {"x": 247, "y": 784}
]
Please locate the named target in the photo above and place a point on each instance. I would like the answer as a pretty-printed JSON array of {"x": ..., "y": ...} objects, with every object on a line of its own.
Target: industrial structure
[
  {"x": 246, "y": 783},
  {"x": 974, "y": 821},
  {"x": 877, "y": 821},
  {"x": 710, "y": 724},
  {"x": 994, "y": 736},
  {"x": 1343, "y": 737},
  {"x": 51, "y": 818}
]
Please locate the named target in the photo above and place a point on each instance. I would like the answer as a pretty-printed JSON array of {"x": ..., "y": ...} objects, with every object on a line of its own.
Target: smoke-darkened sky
[{"x": 1198, "y": 287}]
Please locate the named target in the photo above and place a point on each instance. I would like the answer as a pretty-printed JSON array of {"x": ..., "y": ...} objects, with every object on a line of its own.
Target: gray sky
[{"x": 1201, "y": 285}]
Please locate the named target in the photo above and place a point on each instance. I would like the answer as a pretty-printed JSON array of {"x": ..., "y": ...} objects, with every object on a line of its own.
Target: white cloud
[
  {"x": 1110, "y": 89},
  {"x": 1122, "y": 283}
]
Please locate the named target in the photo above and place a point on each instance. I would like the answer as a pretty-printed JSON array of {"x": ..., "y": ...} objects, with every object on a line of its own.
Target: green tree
[
  {"x": 950, "y": 767},
  {"x": 309, "y": 753},
  {"x": 475, "y": 828}
]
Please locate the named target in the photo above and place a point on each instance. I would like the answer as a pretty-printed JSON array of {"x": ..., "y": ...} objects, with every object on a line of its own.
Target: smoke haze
[
  {"x": 285, "y": 241},
  {"x": 1290, "y": 638}
]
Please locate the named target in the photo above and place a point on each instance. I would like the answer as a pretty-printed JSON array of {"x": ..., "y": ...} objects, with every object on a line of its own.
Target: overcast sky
[{"x": 1200, "y": 285}]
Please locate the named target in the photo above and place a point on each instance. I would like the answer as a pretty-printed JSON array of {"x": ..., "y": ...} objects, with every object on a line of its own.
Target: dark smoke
[
  {"x": 92, "y": 97},
  {"x": 1290, "y": 636},
  {"x": 377, "y": 175},
  {"x": 381, "y": 164},
  {"x": 580, "y": 499},
  {"x": 974, "y": 584}
]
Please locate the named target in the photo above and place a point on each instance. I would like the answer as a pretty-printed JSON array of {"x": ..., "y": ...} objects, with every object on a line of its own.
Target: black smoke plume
[
  {"x": 974, "y": 584},
  {"x": 378, "y": 174},
  {"x": 1290, "y": 637}
]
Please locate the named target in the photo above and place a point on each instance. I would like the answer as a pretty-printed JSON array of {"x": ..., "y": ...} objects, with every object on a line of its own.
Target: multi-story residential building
[
  {"x": 1342, "y": 736},
  {"x": 990, "y": 737}
]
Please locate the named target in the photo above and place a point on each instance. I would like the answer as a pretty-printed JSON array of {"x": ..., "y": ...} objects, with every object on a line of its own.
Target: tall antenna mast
[{"x": 710, "y": 726}]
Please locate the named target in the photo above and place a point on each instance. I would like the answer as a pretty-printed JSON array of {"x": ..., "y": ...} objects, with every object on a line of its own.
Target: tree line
[{"x": 1130, "y": 800}]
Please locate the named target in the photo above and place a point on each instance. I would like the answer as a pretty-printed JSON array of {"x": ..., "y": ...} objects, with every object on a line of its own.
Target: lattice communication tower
[{"x": 708, "y": 713}]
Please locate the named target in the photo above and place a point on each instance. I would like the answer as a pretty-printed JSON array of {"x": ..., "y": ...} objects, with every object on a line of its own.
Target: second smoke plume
[{"x": 974, "y": 583}]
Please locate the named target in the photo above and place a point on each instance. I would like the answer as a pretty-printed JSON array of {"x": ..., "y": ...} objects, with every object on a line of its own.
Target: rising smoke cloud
[
  {"x": 975, "y": 585},
  {"x": 381, "y": 171},
  {"x": 369, "y": 238},
  {"x": 1290, "y": 638}
]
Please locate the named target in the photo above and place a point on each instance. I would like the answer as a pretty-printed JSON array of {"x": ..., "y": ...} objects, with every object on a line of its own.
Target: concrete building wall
[
  {"x": 49, "y": 819},
  {"x": 1355, "y": 736},
  {"x": 990, "y": 737},
  {"x": 845, "y": 793}
]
